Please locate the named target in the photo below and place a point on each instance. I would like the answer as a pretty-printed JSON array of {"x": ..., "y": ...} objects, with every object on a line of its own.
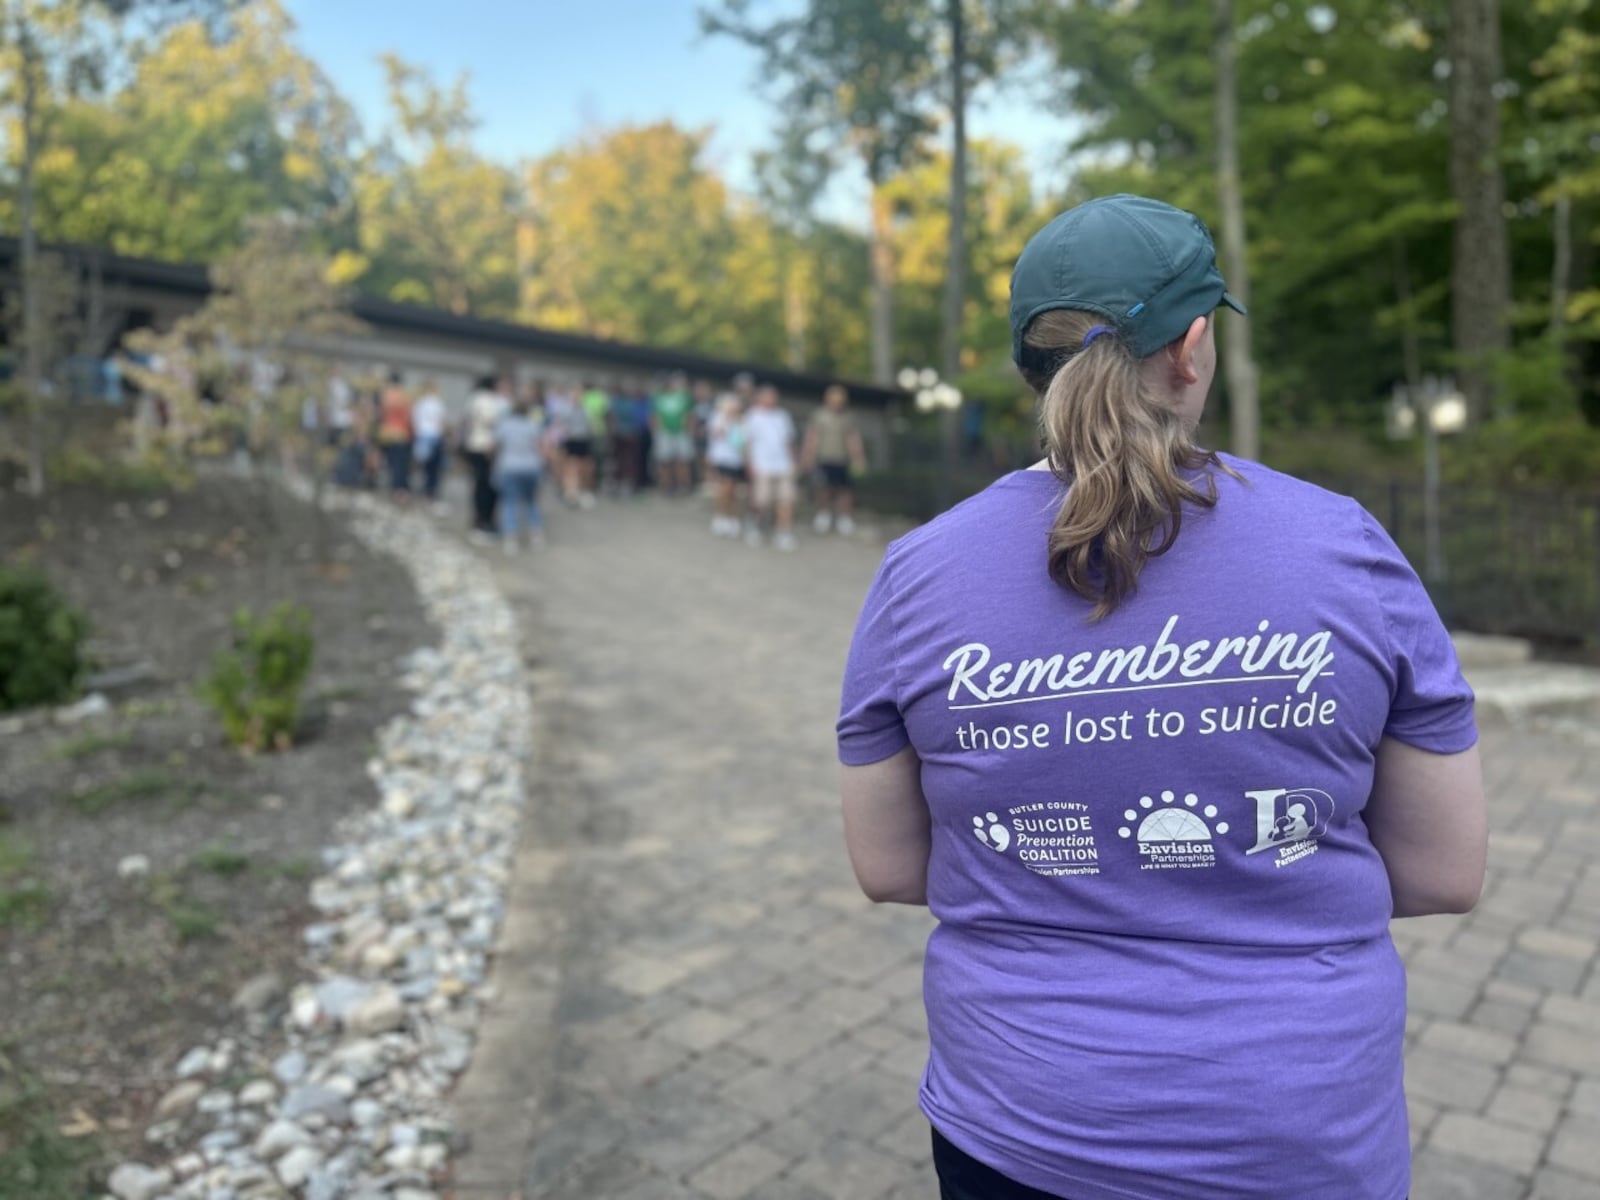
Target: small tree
[{"x": 255, "y": 685}]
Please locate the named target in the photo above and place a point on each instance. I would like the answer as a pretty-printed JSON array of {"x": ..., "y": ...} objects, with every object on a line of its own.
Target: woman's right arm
[
  {"x": 1428, "y": 818},
  {"x": 887, "y": 828}
]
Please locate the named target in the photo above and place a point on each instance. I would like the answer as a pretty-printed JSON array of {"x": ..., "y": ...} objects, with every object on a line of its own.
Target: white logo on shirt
[
  {"x": 1172, "y": 834},
  {"x": 1290, "y": 821},
  {"x": 988, "y": 830}
]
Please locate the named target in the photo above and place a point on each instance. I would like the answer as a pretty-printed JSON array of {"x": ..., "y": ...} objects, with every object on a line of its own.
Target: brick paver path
[{"x": 694, "y": 1003}]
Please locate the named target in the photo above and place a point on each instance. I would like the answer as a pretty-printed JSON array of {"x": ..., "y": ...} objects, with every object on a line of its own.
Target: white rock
[
  {"x": 134, "y": 866},
  {"x": 295, "y": 1167},
  {"x": 216, "y": 1102},
  {"x": 399, "y": 804},
  {"x": 363, "y": 1059},
  {"x": 303, "y": 1007},
  {"x": 163, "y": 1131},
  {"x": 134, "y": 1181},
  {"x": 279, "y": 1138},
  {"x": 188, "y": 1164},
  {"x": 339, "y": 995},
  {"x": 257, "y": 1093},
  {"x": 379, "y": 957},
  {"x": 380, "y": 1012},
  {"x": 180, "y": 1099},
  {"x": 290, "y": 1067},
  {"x": 258, "y": 992},
  {"x": 92, "y": 705}
]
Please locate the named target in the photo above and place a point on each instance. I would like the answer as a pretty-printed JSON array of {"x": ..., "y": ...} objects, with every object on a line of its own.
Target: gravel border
[{"x": 410, "y": 904}]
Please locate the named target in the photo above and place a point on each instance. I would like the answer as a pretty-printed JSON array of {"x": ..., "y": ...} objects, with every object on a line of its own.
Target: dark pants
[
  {"x": 398, "y": 457},
  {"x": 483, "y": 493},
  {"x": 432, "y": 468},
  {"x": 630, "y": 459},
  {"x": 962, "y": 1177}
]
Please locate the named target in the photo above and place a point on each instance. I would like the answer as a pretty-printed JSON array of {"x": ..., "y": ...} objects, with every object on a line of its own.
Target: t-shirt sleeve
[
  {"x": 871, "y": 727},
  {"x": 1431, "y": 707}
]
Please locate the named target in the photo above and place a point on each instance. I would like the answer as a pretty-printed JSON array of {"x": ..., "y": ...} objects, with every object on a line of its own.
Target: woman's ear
[{"x": 1184, "y": 350}]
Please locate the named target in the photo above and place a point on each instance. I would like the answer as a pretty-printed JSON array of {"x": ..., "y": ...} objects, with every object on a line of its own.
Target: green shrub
[
  {"x": 37, "y": 1160},
  {"x": 23, "y": 898},
  {"x": 255, "y": 686},
  {"x": 153, "y": 475},
  {"x": 41, "y": 641}
]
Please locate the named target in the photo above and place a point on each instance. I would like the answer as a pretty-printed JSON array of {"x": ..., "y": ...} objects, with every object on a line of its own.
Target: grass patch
[
  {"x": 23, "y": 900},
  {"x": 90, "y": 744},
  {"x": 23, "y": 903},
  {"x": 298, "y": 869},
  {"x": 135, "y": 710},
  {"x": 190, "y": 919},
  {"x": 37, "y": 1161},
  {"x": 221, "y": 860},
  {"x": 150, "y": 783}
]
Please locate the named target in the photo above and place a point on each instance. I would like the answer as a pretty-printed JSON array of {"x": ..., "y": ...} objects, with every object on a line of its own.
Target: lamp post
[
  {"x": 935, "y": 395},
  {"x": 1440, "y": 408}
]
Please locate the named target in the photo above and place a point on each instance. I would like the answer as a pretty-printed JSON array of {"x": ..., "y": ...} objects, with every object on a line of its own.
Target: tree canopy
[{"x": 169, "y": 146}]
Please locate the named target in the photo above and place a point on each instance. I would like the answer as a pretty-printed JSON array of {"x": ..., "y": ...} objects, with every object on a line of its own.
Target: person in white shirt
[
  {"x": 490, "y": 400},
  {"x": 769, "y": 453},
  {"x": 428, "y": 432}
]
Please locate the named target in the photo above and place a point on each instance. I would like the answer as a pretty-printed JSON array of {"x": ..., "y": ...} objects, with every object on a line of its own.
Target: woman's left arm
[{"x": 887, "y": 828}]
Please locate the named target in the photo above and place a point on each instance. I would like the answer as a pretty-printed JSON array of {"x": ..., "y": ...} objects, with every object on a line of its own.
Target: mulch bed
[{"x": 107, "y": 981}]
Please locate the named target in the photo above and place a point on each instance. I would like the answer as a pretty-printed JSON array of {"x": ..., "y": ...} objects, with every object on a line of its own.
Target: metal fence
[{"x": 1513, "y": 560}]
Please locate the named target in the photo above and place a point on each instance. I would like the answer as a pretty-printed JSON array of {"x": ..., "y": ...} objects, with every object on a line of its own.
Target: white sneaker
[
  {"x": 846, "y": 526},
  {"x": 785, "y": 542},
  {"x": 586, "y": 500},
  {"x": 824, "y": 522}
]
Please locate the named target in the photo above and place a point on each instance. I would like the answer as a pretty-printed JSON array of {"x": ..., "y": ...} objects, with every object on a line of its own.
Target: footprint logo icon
[{"x": 988, "y": 830}]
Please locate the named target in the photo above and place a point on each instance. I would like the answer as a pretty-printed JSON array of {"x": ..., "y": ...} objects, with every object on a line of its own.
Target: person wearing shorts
[
  {"x": 674, "y": 445},
  {"x": 834, "y": 449},
  {"x": 769, "y": 454},
  {"x": 725, "y": 454}
]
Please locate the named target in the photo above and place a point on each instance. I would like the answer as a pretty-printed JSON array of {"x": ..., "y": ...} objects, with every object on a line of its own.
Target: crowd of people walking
[{"x": 739, "y": 447}]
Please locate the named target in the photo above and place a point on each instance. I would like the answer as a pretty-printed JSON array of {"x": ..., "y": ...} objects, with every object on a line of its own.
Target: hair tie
[{"x": 1094, "y": 333}]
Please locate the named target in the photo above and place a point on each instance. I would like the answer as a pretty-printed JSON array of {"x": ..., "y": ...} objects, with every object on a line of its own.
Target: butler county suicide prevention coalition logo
[
  {"x": 1055, "y": 837},
  {"x": 1172, "y": 834}
]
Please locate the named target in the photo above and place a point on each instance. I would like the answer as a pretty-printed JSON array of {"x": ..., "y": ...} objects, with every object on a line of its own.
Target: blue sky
[{"x": 544, "y": 72}]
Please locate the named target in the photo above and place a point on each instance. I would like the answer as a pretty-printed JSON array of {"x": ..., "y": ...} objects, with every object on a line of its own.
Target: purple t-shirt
[{"x": 1162, "y": 968}]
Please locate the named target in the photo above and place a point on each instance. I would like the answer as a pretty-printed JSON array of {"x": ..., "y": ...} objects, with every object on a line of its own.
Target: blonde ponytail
[{"x": 1121, "y": 450}]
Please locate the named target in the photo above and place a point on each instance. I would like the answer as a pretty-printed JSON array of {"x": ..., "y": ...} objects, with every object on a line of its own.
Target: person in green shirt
[
  {"x": 673, "y": 442},
  {"x": 596, "y": 404}
]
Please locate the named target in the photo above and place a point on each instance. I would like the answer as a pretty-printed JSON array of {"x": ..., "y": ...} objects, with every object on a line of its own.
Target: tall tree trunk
[
  {"x": 882, "y": 251},
  {"x": 1480, "y": 277},
  {"x": 1239, "y": 363},
  {"x": 955, "y": 286},
  {"x": 32, "y": 331},
  {"x": 794, "y": 311},
  {"x": 1561, "y": 268}
]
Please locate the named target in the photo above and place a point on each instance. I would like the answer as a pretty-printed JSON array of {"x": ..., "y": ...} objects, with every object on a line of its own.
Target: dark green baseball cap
[{"x": 1150, "y": 269}]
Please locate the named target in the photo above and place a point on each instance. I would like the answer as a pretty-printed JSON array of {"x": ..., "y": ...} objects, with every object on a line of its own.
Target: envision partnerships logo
[{"x": 1172, "y": 835}]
